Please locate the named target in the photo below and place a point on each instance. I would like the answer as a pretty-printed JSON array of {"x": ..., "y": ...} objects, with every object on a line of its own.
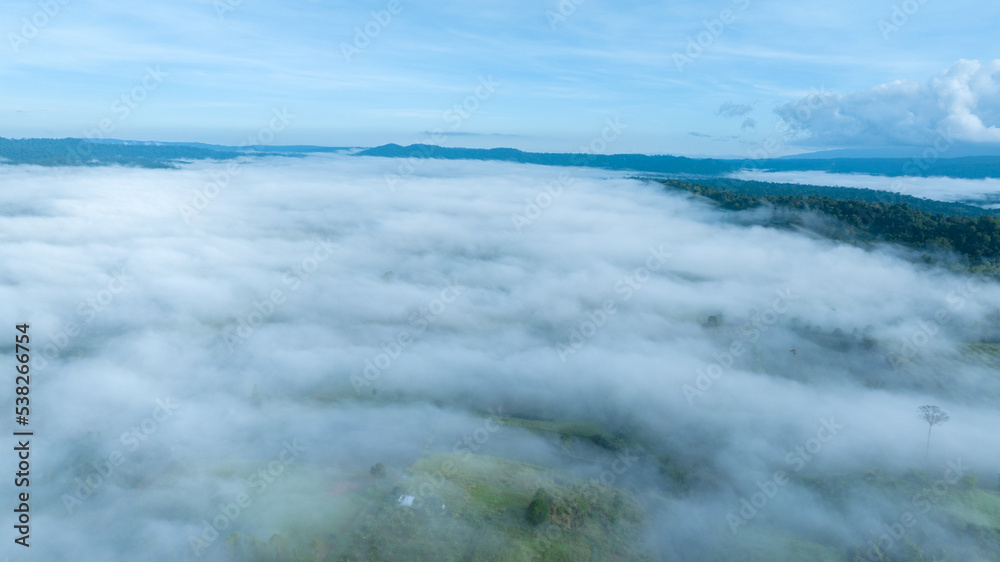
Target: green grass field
[
  {"x": 484, "y": 503},
  {"x": 474, "y": 507}
]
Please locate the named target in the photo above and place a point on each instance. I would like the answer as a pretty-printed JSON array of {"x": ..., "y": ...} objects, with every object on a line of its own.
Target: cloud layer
[
  {"x": 573, "y": 293},
  {"x": 962, "y": 103},
  {"x": 979, "y": 192}
]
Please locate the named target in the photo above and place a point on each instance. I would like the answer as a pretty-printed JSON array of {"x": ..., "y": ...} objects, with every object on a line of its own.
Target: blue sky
[{"x": 222, "y": 68}]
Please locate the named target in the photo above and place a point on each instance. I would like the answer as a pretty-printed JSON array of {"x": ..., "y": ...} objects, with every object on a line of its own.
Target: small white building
[{"x": 406, "y": 501}]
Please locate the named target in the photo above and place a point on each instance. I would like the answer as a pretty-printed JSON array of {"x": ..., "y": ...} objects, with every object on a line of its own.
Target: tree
[
  {"x": 279, "y": 548},
  {"x": 933, "y": 416},
  {"x": 377, "y": 471},
  {"x": 234, "y": 543},
  {"x": 538, "y": 510}
]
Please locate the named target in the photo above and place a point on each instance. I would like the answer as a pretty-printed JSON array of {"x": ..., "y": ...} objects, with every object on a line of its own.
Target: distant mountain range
[
  {"x": 144, "y": 154},
  {"x": 964, "y": 167},
  {"x": 87, "y": 152},
  {"x": 956, "y": 150},
  {"x": 302, "y": 148}
]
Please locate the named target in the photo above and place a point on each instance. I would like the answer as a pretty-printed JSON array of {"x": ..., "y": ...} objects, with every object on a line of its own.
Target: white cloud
[
  {"x": 981, "y": 191},
  {"x": 962, "y": 102},
  {"x": 522, "y": 293}
]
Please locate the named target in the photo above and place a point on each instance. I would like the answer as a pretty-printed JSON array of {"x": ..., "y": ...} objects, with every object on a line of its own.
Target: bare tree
[{"x": 933, "y": 416}]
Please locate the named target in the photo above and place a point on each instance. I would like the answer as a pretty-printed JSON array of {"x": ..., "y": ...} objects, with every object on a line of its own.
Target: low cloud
[
  {"x": 470, "y": 134},
  {"x": 332, "y": 270},
  {"x": 730, "y": 109},
  {"x": 976, "y": 191}
]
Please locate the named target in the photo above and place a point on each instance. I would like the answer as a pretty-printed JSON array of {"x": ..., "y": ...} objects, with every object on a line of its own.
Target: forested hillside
[
  {"x": 970, "y": 167},
  {"x": 82, "y": 152},
  {"x": 976, "y": 238},
  {"x": 760, "y": 188}
]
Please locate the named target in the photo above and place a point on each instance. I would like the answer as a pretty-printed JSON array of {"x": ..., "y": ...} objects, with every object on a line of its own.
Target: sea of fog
[
  {"x": 190, "y": 325},
  {"x": 982, "y": 192}
]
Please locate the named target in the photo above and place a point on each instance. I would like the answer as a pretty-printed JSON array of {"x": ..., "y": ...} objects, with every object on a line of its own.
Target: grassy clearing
[
  {"x": 485, "y": 502},
  {"x": 764, "y": 545},
  {"x": 985, "y": 354},
  {"x": 584, "y": 430}
]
